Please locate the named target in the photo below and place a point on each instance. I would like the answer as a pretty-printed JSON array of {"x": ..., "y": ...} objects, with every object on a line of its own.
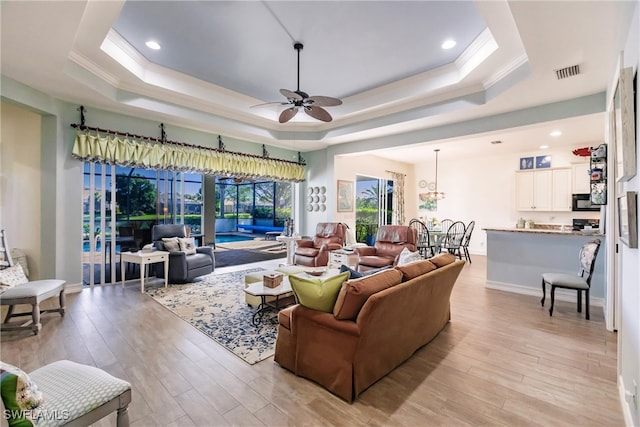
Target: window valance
[{"x": 112, "y": 149}]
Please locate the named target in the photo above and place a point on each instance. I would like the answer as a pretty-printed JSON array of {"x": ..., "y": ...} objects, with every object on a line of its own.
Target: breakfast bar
[{"x": 516, "y": 259}]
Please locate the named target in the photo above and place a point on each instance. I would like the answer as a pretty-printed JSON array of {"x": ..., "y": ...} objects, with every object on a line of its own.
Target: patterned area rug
[{"x": 216, "y": 305}]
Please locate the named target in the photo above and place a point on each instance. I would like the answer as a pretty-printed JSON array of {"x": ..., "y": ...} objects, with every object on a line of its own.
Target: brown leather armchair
[
  {"x": 390, "y": 241},
  {"x": 315, "y": 253}
]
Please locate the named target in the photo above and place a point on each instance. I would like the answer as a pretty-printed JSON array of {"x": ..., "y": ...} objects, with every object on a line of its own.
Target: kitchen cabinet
[
  {"x": 544, "y": 190},
  {"x": 561, "y": 190},
  {"x": 581, "y": 184}
]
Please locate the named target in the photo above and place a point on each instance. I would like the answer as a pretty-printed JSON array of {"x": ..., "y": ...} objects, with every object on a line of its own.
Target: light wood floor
[{"x": 501, "y": 361}]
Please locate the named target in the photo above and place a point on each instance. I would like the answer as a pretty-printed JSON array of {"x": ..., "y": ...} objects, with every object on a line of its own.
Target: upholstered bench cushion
[
  {"x": 37, "y": 288},
  {"x": 76, "y": 388}
]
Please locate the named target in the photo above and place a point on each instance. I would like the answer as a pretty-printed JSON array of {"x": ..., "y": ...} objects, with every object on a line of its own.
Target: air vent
[{"x": 566, "y": 72}]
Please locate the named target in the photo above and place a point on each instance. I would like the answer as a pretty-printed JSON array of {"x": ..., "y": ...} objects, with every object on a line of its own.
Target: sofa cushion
[
  {"x": 406, "y": 256},
  {"x": 318, "y": 293},
  {"x": 187, "y": 245},
  {"x": 19, "y": 393},
  {"x": 443, "y": 259},
  {"x": 375, "y": 261},
  {"x": 415, "y": 269},
  {"x": 310, "y": 252},
  {"x": 354, "y": 293}
]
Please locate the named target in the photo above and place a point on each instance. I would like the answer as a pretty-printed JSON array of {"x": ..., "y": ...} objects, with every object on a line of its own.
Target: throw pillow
[
  {"x": 19, "y": 393},
  {"x": 354, "y": 293},
  {"x": 442, "y": 259},
  {"x": 12, "y": 276},
  {"x": 318, "y": 293},
  {"x": 171, "y": 244},
  {"x": 415, "y": 269},
  {"x": 406, "y": 256},
  {"x": 353, "y": 274},
  {"x": 187, "y": 245}
]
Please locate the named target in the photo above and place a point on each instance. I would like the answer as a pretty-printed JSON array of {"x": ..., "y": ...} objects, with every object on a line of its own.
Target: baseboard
[
  {"x": 73, "y": 288},
  {"x": 624, "y": 403},
  {"x": 561, "y": 294}
]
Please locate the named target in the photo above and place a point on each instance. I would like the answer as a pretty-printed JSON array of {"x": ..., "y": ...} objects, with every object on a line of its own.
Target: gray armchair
[{"x": 182, "y": 267}]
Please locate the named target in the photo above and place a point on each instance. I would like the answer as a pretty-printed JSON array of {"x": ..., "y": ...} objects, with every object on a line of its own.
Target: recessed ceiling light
[
  {"x": 556, "y": 133},
  {"x": 153, "y": 45},
  {"x": 448, "y": 44},
  {"x": 544, "y": 147}
]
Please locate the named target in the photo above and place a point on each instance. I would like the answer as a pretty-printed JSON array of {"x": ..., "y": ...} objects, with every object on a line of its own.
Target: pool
[
  {"x": 226, "y": 238},
  {"x": 86, "y": 246}
]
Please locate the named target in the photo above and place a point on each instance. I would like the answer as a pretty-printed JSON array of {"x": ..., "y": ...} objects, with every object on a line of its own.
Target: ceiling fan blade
[
  {"x": 269, "y": 103},
  {"x": 288, "y": 114},
  {"x": 318, "y": 113},
  {"x": 290, "y": 95},
  {"x": 324, "y": 101}
]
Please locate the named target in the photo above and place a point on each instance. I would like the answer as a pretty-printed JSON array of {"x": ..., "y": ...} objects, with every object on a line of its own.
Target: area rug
[{"x": 215, "y": 305}]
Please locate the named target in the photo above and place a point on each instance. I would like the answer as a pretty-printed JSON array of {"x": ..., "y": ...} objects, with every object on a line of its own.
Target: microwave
[{"x": 582, "y": 202}]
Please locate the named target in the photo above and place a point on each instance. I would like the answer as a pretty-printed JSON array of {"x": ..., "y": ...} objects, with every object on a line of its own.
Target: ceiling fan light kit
[{"x": 312, "y": 105}]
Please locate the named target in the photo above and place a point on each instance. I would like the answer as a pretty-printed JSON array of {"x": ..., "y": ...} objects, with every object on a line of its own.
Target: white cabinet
[
  {"x": 562, "y": 190},
  {"x": 544, "y": 190},
  {"x": 581, "y": 184},
  {"x": 339, "y": 257}
]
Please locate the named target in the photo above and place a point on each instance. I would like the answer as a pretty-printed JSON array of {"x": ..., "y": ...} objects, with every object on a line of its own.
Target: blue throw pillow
[{"x": 353, "y": 274}]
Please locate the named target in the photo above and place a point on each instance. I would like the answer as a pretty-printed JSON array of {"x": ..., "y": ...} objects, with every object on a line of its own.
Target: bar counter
[{"x": 517, "y": 257}]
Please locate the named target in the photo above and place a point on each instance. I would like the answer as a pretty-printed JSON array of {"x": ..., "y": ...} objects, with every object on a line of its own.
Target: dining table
[{"x": 436, "y": 238}]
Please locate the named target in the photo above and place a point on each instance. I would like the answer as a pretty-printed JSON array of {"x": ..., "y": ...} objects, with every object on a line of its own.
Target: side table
[
  {"x": 340, "y": 257},
  {"x": 144, "y": 259},
  {"x": 290, "y": 241}
]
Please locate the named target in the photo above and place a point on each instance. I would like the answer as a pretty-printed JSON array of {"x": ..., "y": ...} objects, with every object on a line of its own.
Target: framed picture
[
  {"x": 628, "y": 218},
  {"x": 543, "y": 162},
  {"x": 623, "y": 124},
  {"x": 345, "y": 196},
  {"x": 526, "y": 163},
  {"x": 424, "y": 203}
]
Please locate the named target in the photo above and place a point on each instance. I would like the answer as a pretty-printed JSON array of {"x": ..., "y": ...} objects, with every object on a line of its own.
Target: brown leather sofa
[
  {"x": 315, "y": 253},
  {"x": 390, "y": 241},
  {"x": 402, "y": 309}
]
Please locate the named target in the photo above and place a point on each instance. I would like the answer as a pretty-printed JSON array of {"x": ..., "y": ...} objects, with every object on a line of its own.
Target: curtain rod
[
  {"x": 397, "y": 173},
  {"x": 182, "y": 144}
]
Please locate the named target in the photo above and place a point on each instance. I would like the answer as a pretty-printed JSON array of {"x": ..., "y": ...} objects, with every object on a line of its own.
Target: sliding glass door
[{"x": 118, "y": 214}]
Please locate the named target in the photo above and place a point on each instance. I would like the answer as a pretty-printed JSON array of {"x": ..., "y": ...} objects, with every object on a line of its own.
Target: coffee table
[{"x": 280, "y": 292}]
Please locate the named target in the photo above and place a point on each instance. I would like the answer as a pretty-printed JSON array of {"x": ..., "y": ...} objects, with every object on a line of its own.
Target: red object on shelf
[{"x": 582, "y": 152}]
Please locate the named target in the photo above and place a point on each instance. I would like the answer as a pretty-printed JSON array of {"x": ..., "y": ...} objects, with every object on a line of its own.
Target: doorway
[{"x": 374, "y": 201}]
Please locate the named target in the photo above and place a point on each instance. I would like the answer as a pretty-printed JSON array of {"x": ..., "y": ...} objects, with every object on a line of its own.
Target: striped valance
[{"x": 129, "y": 152}]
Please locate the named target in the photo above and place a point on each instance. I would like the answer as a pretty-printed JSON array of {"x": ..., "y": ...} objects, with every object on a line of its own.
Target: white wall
[
  {"x": 346, "y": 167},
  {"x": 20, "y": 175},
  {"x": 483, "y": 189},
  {"x": 629, "y": 329}
]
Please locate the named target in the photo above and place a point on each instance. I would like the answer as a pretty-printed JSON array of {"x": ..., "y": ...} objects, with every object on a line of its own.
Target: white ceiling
[{"x": 220, "y": 58}]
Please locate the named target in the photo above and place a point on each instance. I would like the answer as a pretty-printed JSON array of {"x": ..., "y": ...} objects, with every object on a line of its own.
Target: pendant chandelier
[{"x": 435, "y": 194}]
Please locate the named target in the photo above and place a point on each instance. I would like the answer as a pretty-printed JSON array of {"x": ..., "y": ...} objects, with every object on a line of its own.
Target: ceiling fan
[{"x": 312, "y": 105}]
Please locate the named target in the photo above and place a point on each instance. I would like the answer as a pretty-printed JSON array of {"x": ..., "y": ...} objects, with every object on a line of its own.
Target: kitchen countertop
[{"x": 544, "y": 231}]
